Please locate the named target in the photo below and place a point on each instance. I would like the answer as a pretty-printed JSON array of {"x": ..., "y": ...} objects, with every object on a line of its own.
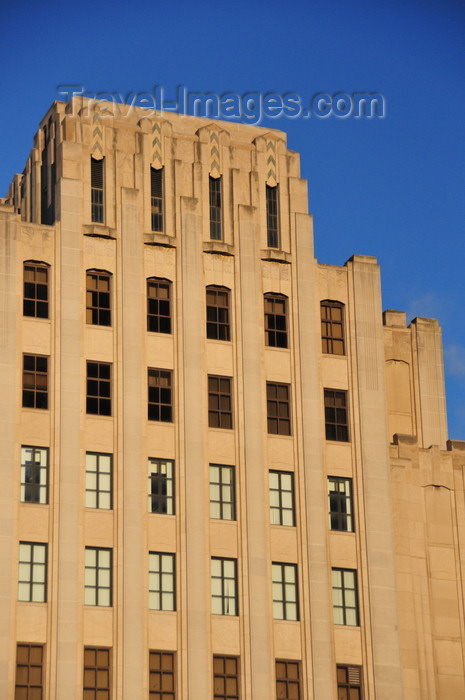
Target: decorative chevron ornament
[
  {"x": 97, "y": 136},
  {"x": 157, "y": 156},
  {"x": 215, "y": 164},
  {"x": 271, "y": 170}
]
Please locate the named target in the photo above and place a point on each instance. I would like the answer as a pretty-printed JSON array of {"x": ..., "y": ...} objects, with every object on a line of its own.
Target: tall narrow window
[
  {"x": 97, "y": 673},
  {"x": 272, "y": 217},
  {"x": 29, "y": 684},
  {"x": 32, "y": 576},
  {"x": 97, "y": 190},
  {"x": 160, "y": 401},
  {"x": 281, "y": 498},
  {"x": 332, "y": 327},
  {"x": 288, "y": 680},
  {"x": 156, "y": 198},
  {"x": 218, "y": 313},
  {"x": 34, "y": 474},
  {"x": 35, "y": 299},
  {"x": 98, "y": 480},
  {"x": 98, "y": 302},
  {"x": 340, "y": 504},
  {"x": 349, "y": 682},
  {"x": 158, "y": 305},
  {"x": 219, "y": 402},
  {"x": 35, "y": 381},
  {"x": 216, "y": 208},
  {"x": 222, "y": 492},
  {"x": 162, "y": 675},
  {"x": 162, "y": 588},
  {"x": 224, "y": 586},
  {"x": 345, "y": 603},
  {"x": 98, "y": 576},
  {"x": 278, "y": 408},
  {"x": 99, "y": 388},
  {"x": 225, "y": 678},
  {"x": 285, "y": 598},
  {"x": 336, "y": 424},
  {"x": 276, "y": 320},
  {"x": 161, "y": 486}
]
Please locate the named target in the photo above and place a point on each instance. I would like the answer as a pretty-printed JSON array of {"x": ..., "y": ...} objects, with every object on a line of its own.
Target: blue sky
[{"x": 392, "y": 187}]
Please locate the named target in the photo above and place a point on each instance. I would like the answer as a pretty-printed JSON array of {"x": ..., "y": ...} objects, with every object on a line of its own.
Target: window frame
[
  {"x": 34, "y": 300},
  {"x": 215, "y": 196},
  {"x": 98, "y": 313},
  {"x": 329, "y": 336},
  {"x": 341, "y": 510},
  {"x": 157, "y": 191},
  {"x": 285, "y": 681},
  {"x": 101, "y": 477},
  {"x": 29, "y": 668},
  {"x": 336, "y": 415},
  {"x": 33, "y": 392},
  {"x": 220, "y": 417},
  {"x": 158, "y": 580},
  {"x": 342, "y": 610},
  {"x": 218, "y": 322},
  {"x": 224, "y": 571},
  {"x": 98, "y": 585},
  {"x": 223, "y": 487},
  {"x": 283, "y": 587},
  {"x": 281, "y": 508},
  {"x": 34, "y": 475},
  {"x": 100, "y": 671},
  {"x": 97, "y": 190},
  {"x": 32, "y": 572},
  {"x": 103, "y": 400},
  {"x": 158, "y": 322},
  {"x": 223, "y": 677},
  {"x": 159, "y": 691},
  {"x": 283, "y": 423},
  {"x": 347, "y": 684},
  {"x": 160, "y": 406},
  {"x": 276, "y": 337},
  {"x": 164, "y": 482},
  {"x": 272, "y": 216}
]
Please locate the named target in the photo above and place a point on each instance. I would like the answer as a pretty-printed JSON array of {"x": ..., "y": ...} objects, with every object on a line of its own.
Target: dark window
[
  {"x": 162, "y": 675},
  {"x": 336, "y": 424},
  {"x": 161, "y": 486},
  {"x": 162, "y": 581},
  {"x": 34, "y": 474},
  {"x": 225, "y": 678},
  {"x": 160, "y": 402},
  {"x": 224, "y": 586},
  {"x": 216, "y": 214},
  {"x": 158, "y": 305},
  {"x": 29, "y": 684},
  {"x": 156, "y": 198},
  {"x": 35, "y": 300},
  {"x": 35, "y": 381},
  {"x": 219, "y": 402},
  {"x": 99, "y": 388},
  {"x": 345, "y": 604},
  {"x": 281, "y": 498},
  {"x": 278, "y": 408},
  {"x": 288, "y": 680},
  {"x": 272, "y": 217},
  {"x": 340, "y": 504},
  {"x": 332, "y": 327},
  {"x": 98, "y": 310},
  {"x": 276, "y": 320},
  {"x": 349, "y": 682},
  {"x": 97, "y": 673},
  {"x": 98, "y": 480},
  {"x": 222, "y": 492},
  {"x": 98, "y": 576},
  {"x": 218, "y": 313},
  {"x": 285, "y": 591},
  {"x": 96, "y": 190},
  {"x": 32, "y": 573}
]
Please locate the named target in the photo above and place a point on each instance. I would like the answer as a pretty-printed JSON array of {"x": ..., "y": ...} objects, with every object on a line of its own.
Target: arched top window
[
  {"x": 98, "y": 297},
  {"x": 35, "y": 288},
  {"x": 218, "y": 322},
  {"x": 159, "y": 295},
  {"x": 332, "y": 327},
  {"x": 276, "y": 323}
]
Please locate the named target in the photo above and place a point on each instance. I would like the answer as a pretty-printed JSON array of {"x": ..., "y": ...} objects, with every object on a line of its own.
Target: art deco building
[{"x": 224, "y": 473}]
